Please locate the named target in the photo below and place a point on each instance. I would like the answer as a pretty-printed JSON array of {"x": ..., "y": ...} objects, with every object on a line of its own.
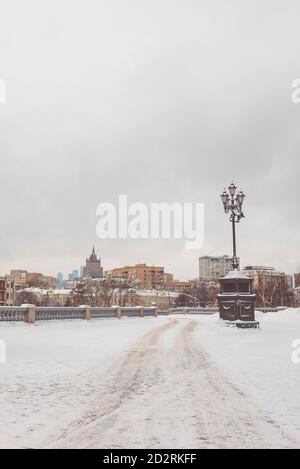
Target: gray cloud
[{"x": 162, "y": 100}]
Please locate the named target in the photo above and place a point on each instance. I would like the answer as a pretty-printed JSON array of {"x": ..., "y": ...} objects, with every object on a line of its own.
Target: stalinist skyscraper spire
[{"x": 93, "y": 267}]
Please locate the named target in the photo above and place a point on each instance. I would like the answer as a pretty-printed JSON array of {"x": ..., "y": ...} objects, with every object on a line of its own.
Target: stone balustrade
[{"x": 32, "y": 314}]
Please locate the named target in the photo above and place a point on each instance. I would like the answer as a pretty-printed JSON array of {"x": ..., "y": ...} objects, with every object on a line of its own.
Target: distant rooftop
[
  {"x": 216, "y": 257},
  {"x": 259, "y": 267},
  {"x": 159, "y": 293}
]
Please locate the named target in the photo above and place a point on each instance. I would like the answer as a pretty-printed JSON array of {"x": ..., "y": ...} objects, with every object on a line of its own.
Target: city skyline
[{"x": 80, "y": 269}]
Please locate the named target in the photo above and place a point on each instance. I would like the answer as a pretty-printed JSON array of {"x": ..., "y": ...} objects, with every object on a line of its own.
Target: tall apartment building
[
  {"x": 149, "y": 277},
  {"x": 7, "y": 291},
  {"x": 214, "y": 267}
]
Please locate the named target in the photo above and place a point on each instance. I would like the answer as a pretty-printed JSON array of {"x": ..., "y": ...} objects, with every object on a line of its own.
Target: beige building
[
  {"x": 176, "y": 285},
  {"x": 36, "y": 279},
  {"x": 7, "y": 291},
  {"x": 158, "y": 298},
  {"x": 149, "y": 277},
  {"x": 257, "y": 271},
  {"x": 53, "y": 297},
  {"x": 50, "y": 282},
  {"x": 168, "y": 281},
  {"x": 22, "y": 278},
  {"x": 19, "y": 276},
  {"x": 182, "y": 285}
]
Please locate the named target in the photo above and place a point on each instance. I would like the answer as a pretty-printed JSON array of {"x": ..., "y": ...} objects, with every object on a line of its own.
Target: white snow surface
[
  {"x": 54, "y": 371},
  {"x": 177, "y": 381},
  {"x": 259, "y": 361}
]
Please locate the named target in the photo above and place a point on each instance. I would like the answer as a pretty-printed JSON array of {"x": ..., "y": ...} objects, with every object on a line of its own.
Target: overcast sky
[{"x": 162, "y": 100}]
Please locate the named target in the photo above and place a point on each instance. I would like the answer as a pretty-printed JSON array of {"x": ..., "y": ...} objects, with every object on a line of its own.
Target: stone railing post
[
  {"x": 141, "y": 312},
  {"x": 30, "y": 314},
  {"x": 87, "y": 313}
]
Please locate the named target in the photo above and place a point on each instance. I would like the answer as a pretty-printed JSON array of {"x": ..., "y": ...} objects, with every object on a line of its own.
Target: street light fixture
[
  {"x": 225, "y": 199},
  {"x": 232, "y": 189},
  {"x": 232, "y": 203},
  {"x": 240, "y": 198}
]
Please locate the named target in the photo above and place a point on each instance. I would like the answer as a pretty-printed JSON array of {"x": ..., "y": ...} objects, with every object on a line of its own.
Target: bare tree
[
  {"x": 272, "y": 291},
  {"x": 103, "y": 292},
  {"x": 27, "y": 297}
]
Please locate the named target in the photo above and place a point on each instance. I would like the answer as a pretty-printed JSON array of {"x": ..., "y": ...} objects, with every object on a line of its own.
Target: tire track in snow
[
  {"x": 135, "y": 375},
  {"x": 175, "y": 397},
  {"x": 226, "y": 418}
]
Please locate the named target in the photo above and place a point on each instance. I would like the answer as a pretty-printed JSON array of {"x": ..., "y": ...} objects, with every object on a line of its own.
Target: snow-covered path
[
  {"x": 177, "y": 381},
  {"x": 167, "y": 392}
]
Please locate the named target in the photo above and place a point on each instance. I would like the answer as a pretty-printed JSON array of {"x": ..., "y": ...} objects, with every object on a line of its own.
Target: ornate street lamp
[
  {"x": 236, "y": 298},
  {"x": 232, "y": 203}
]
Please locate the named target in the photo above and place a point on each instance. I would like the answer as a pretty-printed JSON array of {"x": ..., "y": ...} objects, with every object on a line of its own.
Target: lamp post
[
  {"x": 236, "y": 298},
  {"x": 232, "y": 203}
]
